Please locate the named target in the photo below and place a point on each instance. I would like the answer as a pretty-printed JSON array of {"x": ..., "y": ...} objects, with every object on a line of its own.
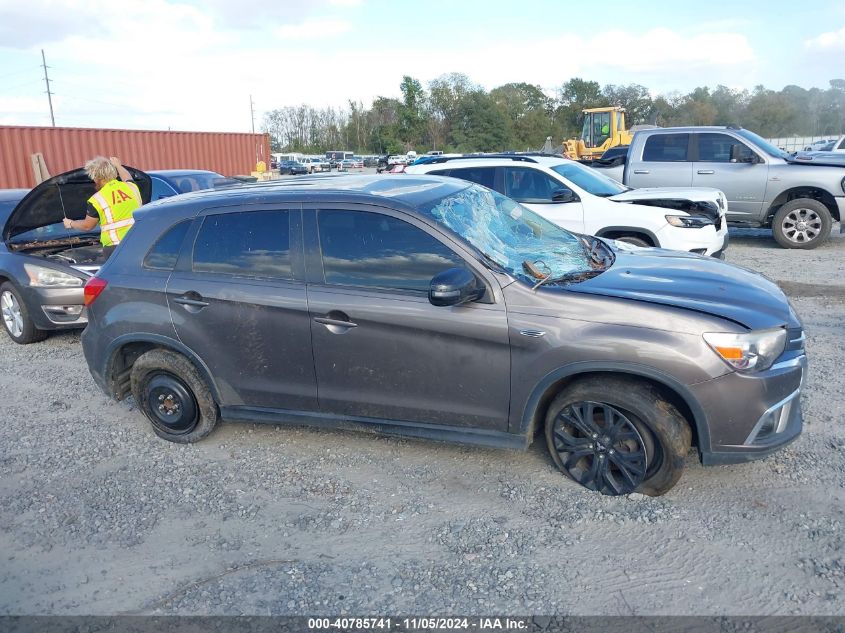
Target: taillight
[{"x": 92, "y": 290}]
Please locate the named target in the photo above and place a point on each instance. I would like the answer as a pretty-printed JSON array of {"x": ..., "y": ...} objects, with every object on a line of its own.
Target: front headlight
[
  {"x": 42, "y": 277},
  {"x": 750, "y": 351},
  {"x": 688, "y": 221}
]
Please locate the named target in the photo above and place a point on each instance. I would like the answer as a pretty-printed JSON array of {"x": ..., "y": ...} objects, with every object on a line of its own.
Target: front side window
[
  {"x": 164, "y": 253},
  {"x": 378, "y": 251},
  {"x": 529, "y": 185},
  {"x": 251, "y": 244},
  {"x": 719, "y": 148},
  {"x": 666, "y": 148}
]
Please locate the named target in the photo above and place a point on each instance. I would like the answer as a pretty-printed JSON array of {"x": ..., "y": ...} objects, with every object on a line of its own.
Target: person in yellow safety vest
[{"x": 113, "y": 204}]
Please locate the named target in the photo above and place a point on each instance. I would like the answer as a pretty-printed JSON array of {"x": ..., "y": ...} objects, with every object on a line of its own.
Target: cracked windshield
[{"x": 509, "y": 234}]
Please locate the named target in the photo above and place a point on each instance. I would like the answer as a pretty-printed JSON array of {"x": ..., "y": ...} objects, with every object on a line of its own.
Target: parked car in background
[
  {"x": 436, "y": 308},
  {"x": 824, "y": 145},
  {"x": 581, "y": 199},
  {"x": 765, "y": 186},
  {"x": 357, "y": 162},
  {"x": 43, "y": 265},
  {"x": 172, "y": 182},
  {"x": 292, "y": 167},
  {"x": 316, "y": 165}
]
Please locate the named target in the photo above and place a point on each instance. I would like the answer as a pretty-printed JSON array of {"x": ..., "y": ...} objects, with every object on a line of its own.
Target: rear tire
[
  {"x": 19, "y": 325},
  {"x": 174, "y": 397},
  {"x": 617, "y": 435},
  {"x": 802, "y": 223}
]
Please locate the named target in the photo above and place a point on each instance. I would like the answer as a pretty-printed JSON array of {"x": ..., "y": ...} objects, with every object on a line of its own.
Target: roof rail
[{"x": 515, "y": 157}]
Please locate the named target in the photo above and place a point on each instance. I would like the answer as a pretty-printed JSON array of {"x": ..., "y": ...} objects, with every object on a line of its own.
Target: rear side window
[
  {"x": 842, "y": 144},
  {"x": 483, "y": 176},
  {"x": 165, "y": 252},
  {"x": 667, "y": 148},
  {"x": 374, "y": 250},
  {"x": 252, "y": 244}
]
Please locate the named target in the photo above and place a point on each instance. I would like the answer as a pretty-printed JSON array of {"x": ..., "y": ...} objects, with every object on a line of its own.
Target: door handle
[
  {"x": 706, "y": 171},
  {"x": 335, "y": 322},
  {"x": 187, "y": 301},
  {"x": 642, "y": 171}
]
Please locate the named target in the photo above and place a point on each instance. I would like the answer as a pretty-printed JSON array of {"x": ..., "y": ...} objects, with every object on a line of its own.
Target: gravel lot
[{"x": 98, "y": 516}]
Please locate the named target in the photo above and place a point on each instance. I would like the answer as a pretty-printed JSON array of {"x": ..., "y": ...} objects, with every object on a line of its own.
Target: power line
[{"x": 47, "y": 81}]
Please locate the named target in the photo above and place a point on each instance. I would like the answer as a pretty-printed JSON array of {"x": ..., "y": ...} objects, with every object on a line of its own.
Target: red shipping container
[{"x": 65, "y": 148}]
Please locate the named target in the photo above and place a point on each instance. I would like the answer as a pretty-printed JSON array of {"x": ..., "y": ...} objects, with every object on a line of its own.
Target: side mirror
[
  {"x": 563, "y": 195},
  {"x": 453, "y": 287},
  {"x": 740, "y": 156}
]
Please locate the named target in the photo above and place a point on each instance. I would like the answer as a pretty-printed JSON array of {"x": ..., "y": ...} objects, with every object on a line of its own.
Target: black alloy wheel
[{"x": 602, "y": 448}]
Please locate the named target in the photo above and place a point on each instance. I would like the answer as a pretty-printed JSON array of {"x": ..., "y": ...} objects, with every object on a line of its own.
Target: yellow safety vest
[{"x": 115, "y": 203}]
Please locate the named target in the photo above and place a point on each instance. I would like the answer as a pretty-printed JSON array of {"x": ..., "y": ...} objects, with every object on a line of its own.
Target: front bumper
[
  {"x": 56, "y": 308},
  {"x": 750, "y": 416},
  {"x": 702, "y": 241}
]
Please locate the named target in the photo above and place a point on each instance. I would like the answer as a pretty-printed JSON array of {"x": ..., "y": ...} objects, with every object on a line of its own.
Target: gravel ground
[{"x": 98, "y": 516}]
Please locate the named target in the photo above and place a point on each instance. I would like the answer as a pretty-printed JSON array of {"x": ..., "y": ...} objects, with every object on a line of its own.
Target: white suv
[{"x": 583, "y": 200}]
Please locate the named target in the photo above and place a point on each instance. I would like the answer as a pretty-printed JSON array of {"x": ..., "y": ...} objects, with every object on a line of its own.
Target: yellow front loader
[{"x": 603, "y": 128}]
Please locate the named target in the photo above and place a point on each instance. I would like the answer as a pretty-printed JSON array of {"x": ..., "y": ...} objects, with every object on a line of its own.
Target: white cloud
[
  {"x": 830, "y": 41},
  {"x": 345, "y": 3},
  {"x": 312, "y": 29}
]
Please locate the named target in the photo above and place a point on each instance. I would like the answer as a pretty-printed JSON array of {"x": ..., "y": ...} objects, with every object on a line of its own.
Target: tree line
[{"x": 453, "y": 114}]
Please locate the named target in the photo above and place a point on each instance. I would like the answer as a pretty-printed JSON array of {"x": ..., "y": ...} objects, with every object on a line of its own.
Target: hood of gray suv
[{"x": 693, "y": 282}]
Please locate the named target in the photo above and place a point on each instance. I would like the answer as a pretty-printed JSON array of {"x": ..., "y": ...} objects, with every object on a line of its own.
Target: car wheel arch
[
  {"x": 536, "y": 406},
  {"x": 124, "y": 351},
  {"x": 612, "y": 232},
  {"x": 815, "y": 193}
]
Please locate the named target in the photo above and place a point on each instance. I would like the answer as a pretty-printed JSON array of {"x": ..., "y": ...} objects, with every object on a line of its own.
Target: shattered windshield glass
[{"x": 509, "y": 234}]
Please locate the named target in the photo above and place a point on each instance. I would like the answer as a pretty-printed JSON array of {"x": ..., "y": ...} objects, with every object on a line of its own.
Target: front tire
[
  {"x": 617, "y": 435},
  {"x": 170, "y": 391},
  {"x": 19, "y": 325},
  {"x": 802, "y": 223},
  {"x": 636, "y": 241}
]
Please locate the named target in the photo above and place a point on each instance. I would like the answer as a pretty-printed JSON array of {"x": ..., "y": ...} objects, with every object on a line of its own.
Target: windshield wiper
[{"x": 544, "y": 278}]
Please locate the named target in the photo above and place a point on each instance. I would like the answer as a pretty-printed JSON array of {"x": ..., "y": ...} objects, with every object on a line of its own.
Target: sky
[{"x": 193, "y": 65}]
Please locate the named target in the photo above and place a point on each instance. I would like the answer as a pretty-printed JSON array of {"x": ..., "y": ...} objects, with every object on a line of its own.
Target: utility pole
[
  {"x": 47, "y": 81},
  {"x": 252, "y": 113}
]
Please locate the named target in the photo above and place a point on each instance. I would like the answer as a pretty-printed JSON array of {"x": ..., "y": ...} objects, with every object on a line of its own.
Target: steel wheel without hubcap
[
  {"x": 170, "y": 405},
  {"x": 601, "y": 448},
  {"x": 801, "y": 225},
  {"x": 12, "y": 316}
]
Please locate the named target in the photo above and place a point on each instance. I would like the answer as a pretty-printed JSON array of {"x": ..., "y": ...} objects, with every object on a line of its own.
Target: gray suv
[{"x": 435, "y": 308}]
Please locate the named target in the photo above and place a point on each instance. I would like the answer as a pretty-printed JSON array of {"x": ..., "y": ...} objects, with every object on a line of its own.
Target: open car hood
[{"x": 65, "y": 195}]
